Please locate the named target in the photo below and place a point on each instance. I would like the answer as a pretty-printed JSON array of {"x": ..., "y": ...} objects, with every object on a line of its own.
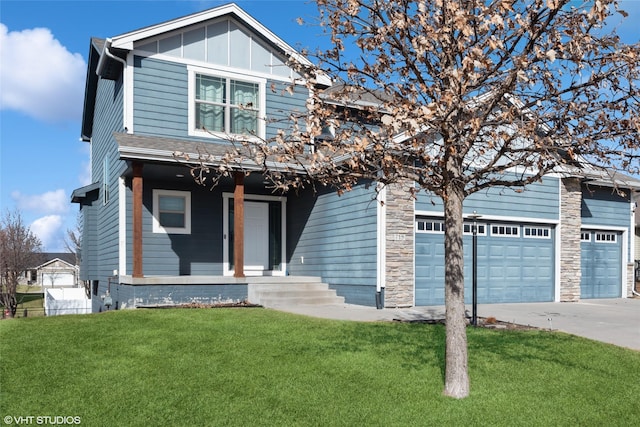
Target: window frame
[
  {"x": 106, "y": 172},
  {"x": 585, "y": 236},
  {"x": 515, "y": 228},
  {"x": 482, "y": 229},
  {"x": 538, "y": 229},
  {"x": 194, "y": 71},
  {"x": 598, "y": 238},
  {"x": 157, "y": 227},
  {"x": 437, "y": 226}
]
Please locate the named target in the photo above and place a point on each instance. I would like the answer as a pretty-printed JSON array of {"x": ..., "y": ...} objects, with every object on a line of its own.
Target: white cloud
[
  {"x": 85, "y": 171},
  {"x": 49, "y": 202},
  {"x": 39, "y": 76},
  {"x": 49, "y": 231}
]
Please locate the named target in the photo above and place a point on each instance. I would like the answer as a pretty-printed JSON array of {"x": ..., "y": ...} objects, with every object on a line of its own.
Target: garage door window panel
[
  {"x": 505, "y": 231},
  {"x": 606, "y": 237}
]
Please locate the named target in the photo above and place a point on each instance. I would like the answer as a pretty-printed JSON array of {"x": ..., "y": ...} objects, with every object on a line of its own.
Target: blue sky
[{"x": 43, "y": 54}]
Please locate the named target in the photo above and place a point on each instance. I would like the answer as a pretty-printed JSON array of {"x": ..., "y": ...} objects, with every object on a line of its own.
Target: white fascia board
[
  {"x": 126, "y": 40},
  {"x": 51, "y": 261}
]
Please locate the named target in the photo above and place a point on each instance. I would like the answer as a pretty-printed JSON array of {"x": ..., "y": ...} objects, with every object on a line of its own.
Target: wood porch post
[
  {"x": 136, "y": 187},
  {"x": 238, "y": 225}
]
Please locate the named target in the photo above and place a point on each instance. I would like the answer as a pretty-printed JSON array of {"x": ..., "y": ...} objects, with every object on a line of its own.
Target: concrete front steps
[{"x": 275, "y": 292}]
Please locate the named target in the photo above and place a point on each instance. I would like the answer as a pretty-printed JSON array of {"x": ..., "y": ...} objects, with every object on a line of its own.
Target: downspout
[
  {"x": 633, "y": 255},
  {"x": 381, "y": 245},
  {"x": 101, "y": 62}
]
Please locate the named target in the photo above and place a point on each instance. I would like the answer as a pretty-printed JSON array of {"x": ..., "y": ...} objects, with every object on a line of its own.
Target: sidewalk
[{"x": 615, "y": 321}]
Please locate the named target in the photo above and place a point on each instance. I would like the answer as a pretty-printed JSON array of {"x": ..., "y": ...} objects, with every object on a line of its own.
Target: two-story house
[{"x": 152, "y": 236}]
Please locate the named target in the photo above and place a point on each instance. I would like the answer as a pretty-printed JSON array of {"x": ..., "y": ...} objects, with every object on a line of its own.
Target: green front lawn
[{"x": 250, "y": 367}]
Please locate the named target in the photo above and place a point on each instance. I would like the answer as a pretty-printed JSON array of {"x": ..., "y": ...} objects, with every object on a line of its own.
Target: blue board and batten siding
[
  {"x": 604, "y": 213},
  {"x": 334, "y": 237},
  {"x": 510, "y": 268}
]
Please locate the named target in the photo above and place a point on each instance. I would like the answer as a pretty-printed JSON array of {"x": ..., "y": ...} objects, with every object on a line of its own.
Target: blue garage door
[
  {"x": 601, "y": 264},
  {"x": 515, "y": 262}
]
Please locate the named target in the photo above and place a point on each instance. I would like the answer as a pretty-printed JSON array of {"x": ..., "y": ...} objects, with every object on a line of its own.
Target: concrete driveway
[{"x": 614, "y": 321}]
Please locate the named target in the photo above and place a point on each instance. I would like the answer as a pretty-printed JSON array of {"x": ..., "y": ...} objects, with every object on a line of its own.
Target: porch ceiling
[{"x": 173, "y": 150}]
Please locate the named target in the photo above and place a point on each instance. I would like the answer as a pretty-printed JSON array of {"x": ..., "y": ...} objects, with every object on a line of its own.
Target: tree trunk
[{"x": 456, "y": 369}]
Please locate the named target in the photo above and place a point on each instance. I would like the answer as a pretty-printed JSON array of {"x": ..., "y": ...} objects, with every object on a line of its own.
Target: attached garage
[
  {"x": 601, "y": 264},
  {"x": 57, "y": 280},
  {"x": 515, "y": 262}
]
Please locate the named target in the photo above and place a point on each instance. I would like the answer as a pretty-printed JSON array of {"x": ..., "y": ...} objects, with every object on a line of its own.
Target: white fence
[{"x": 66, "y": 301}]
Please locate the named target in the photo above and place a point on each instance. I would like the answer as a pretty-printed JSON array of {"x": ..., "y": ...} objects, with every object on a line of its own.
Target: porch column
[
  {"x": 238, "y": 225},
  {"x": 136, "y": 187}
]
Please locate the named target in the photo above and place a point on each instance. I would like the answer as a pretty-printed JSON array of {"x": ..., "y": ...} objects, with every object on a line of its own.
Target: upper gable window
[
  {"x": 223, "y": 43},
  {"x": 223, "y": 104}
]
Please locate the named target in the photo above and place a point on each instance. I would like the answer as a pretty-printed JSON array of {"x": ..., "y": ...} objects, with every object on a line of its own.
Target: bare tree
[
  {"x": 454, "y": 97},
  {"x": 20, "y": 250},
  {"x": 73, "y": 244}
]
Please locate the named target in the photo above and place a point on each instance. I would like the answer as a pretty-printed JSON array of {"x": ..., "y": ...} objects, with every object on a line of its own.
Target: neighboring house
[
  {"x": 58, "y": 270},
  {"x": 152, "y": 236}
]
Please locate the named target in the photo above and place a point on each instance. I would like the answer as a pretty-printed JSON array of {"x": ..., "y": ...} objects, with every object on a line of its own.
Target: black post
[
  {"x": 474, "y": 288},
  {"x": 474, "y": 318}
]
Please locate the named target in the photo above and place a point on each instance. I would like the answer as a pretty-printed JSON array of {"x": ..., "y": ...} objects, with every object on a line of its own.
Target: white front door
[{"x": 256, "y": 237}]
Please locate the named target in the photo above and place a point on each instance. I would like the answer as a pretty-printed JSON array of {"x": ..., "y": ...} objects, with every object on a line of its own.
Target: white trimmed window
[
  {"x": 536, "y": 232},
  {"x": 585, "y": 236},
  {"x": 606, "y": 237},
  {"x": 223, "y": 105},
  {"x": 171, "y": 212},
  {"x": 468, "y": 229},
  {"x": 429, "y": 226},
  {"x": 505, "y": 230},
  {"x": 105, "y": 180}
]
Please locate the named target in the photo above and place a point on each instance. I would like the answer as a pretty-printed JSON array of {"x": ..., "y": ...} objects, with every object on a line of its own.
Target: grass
[{"x": 261, "y": 367}]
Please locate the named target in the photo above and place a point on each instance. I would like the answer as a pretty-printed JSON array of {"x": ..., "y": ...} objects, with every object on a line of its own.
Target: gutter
[{"x": 100, "y": 69}]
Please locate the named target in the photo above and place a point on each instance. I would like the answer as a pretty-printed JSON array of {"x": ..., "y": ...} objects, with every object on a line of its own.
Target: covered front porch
[{"x": 244, "y": 222}]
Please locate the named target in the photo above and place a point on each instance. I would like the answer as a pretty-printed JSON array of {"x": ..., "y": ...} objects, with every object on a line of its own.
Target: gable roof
[
  {"x": 50, "y": 257},
  {"x": 126, "y": 41},
  {"x": 107, "y": 55}
]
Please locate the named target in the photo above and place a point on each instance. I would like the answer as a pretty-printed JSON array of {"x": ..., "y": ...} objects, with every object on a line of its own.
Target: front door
[{"x": 256, "y": 237}]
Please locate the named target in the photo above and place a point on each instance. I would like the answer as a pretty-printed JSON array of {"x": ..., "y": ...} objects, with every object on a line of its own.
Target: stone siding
[
  {"x": 399, "y": 283},
  {"x": 631, "y": 282},
  {"x": 570, "y": 226}
]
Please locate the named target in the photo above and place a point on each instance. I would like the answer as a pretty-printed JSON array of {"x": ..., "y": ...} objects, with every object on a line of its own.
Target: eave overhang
[
  {"x": 179, "y": 151},
  {"x": 79, "y": 194}
]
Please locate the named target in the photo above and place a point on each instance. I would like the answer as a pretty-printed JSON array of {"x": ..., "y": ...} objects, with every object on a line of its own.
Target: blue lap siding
[{"x": 334, "y": 237}]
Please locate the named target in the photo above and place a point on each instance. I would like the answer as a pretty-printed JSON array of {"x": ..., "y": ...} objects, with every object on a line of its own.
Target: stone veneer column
[
  {"x": 570, "y": 227},
  {"x": 631, "y": 280},
  {"x": 399, "y": 280}
]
